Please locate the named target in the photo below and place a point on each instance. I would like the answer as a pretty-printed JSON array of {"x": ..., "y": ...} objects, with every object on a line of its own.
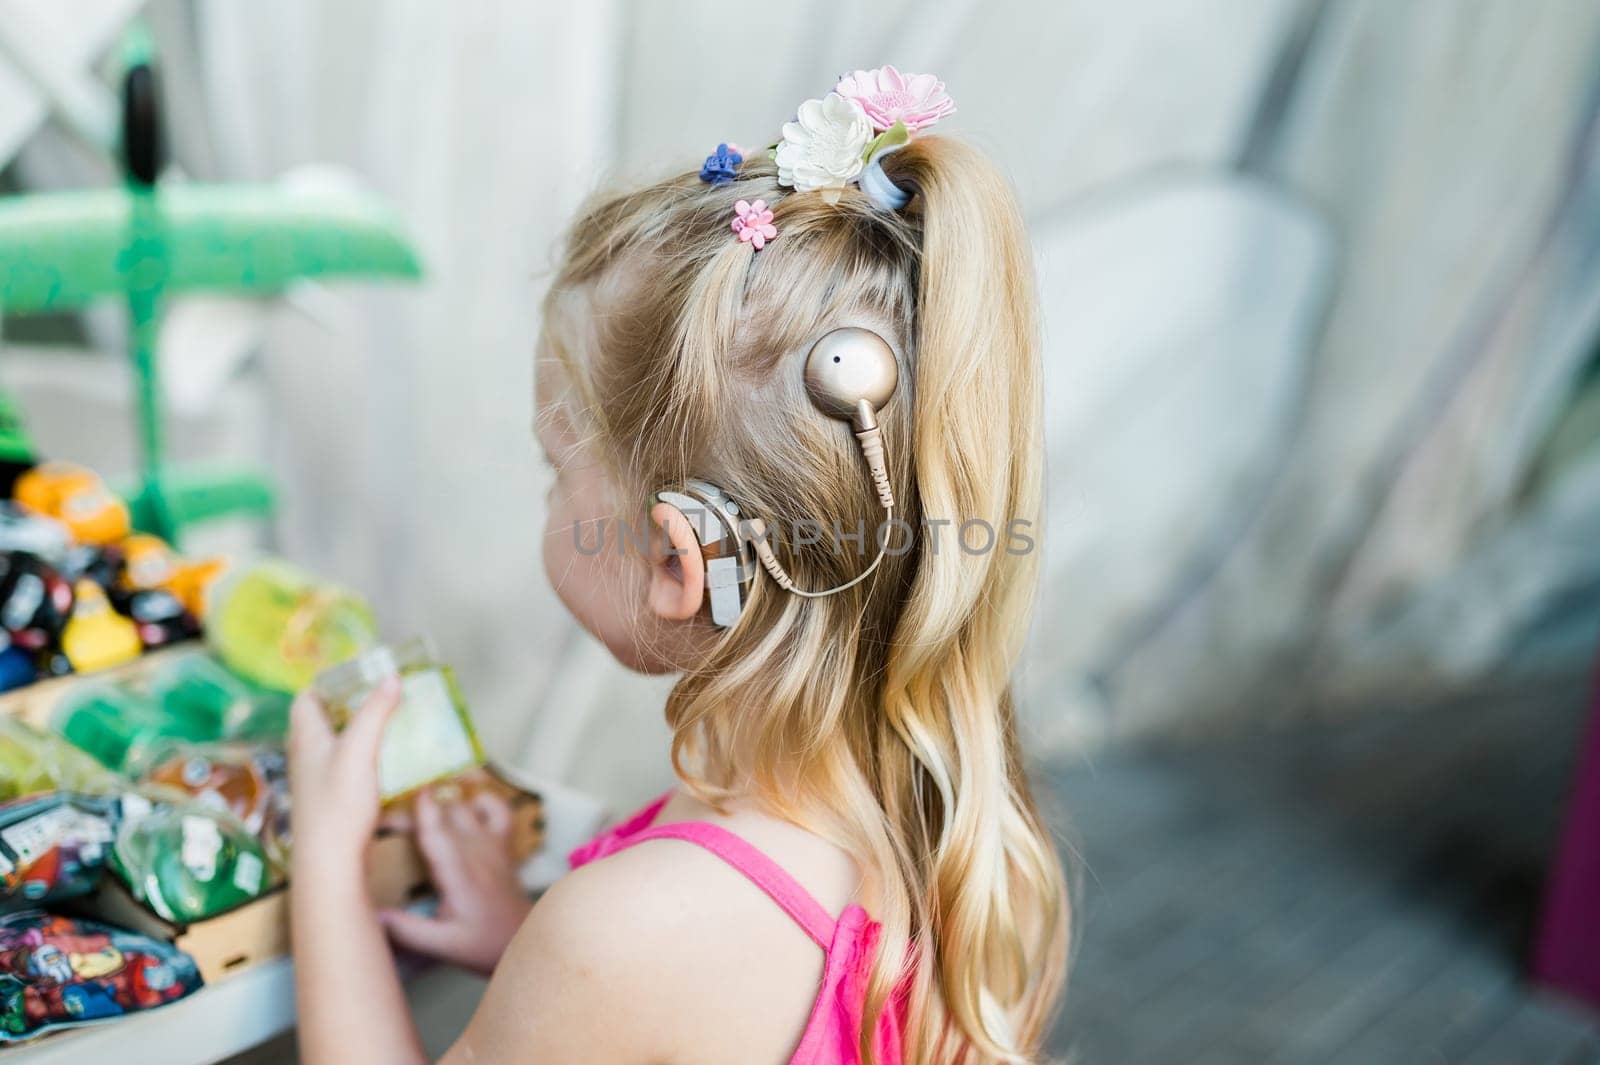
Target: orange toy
[
  {"x": 150, "y": 563},
  {"x": 76, "y": 497}
]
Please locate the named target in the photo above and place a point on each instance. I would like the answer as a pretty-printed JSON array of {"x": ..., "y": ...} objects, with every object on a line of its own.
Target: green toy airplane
[{"x": 147, "y": 241}]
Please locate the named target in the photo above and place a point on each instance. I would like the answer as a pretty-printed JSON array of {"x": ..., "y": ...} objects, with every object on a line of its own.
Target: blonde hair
[{"x": 881, "y": 717}]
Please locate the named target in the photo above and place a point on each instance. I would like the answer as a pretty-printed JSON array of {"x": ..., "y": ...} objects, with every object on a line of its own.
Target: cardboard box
[
  {"x": 221, "y": 946},
  {"x": 258, "y": 931}
]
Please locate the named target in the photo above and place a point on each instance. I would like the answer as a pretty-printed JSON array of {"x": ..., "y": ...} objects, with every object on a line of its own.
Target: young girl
[{"x": 813, "y": 375}]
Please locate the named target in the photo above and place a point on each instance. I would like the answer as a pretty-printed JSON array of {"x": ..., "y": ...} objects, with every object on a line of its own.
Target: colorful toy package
[
  {"x": 188, "y": 862},
  {"x": 123, "y": 728},
  {"x": 192, "y": 700},
  {"x": 199, "y": 688},
  {"x": 277, "y": 626},
  {"x": 60, "y": 972},
  {"x": 248, "y": 780},
  {"x": 53, "y": 847},
  {"x": 35, "y": 601}
]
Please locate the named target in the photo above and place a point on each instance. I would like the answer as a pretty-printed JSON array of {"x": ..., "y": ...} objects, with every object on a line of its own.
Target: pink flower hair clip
[
  {"x": 753, "y": 223},
  {"x": 841, "y": 138}
]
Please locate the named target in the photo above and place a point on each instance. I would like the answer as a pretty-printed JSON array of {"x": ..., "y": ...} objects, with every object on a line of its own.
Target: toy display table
[{"x": 256, "y": 1005}]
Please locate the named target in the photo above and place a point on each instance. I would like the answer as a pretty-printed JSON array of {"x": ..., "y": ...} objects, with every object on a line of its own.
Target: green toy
[
  {"x": 126, "y": 730},
  {"x": 198, "y": 688},
  {"x": 147, "y": 241},
  {"x": 190, "y": 861}
]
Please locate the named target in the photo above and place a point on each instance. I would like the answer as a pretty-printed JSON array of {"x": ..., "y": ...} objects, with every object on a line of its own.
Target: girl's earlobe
[{"x": 677, "y": 569}]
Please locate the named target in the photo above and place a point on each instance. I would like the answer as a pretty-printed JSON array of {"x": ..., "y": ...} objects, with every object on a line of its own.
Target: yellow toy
[
  {"x": 77, "y": 498},
  {"x": 97, "y": 637},
  {"x": 148, "y": 562}
]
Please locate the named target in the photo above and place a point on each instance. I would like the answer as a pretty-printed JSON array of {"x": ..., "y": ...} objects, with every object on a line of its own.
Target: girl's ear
[{"x": 677, "y": 569}]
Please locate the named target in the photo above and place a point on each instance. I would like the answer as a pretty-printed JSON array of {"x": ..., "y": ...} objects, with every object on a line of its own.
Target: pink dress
[{"x": 831, "y": 1035}]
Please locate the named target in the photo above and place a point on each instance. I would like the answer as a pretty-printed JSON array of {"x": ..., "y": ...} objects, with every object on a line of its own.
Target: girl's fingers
[
  {"x": 414, "y": 931},
  {"x": 364, "y": 734},
  {"x": 439, "y": 846},
  {"x": 464, "y": 819},
  {"x": 426, "y": 811},
  {"x": 308, "y": 723},
  {"x": 494, "y": 813}
]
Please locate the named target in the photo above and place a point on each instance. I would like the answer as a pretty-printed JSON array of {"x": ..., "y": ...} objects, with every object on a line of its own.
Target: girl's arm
[
  {"x": 642, "y": 957},
  {"x": 352, "y": 1008}
]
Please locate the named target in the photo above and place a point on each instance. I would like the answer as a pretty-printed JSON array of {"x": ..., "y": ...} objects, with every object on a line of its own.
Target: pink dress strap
[
  {"x": 760, "y": 870},
  {"x": 849, "y": 944}
]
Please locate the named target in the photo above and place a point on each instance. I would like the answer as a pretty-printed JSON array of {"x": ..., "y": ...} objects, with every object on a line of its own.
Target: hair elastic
[{"x": 880, "y": 189}]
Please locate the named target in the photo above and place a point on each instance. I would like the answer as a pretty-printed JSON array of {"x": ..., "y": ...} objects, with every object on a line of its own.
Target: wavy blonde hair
[{"x": 881, "y": 717}]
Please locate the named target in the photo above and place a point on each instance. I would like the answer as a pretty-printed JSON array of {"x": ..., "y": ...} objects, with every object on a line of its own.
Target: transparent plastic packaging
[
  {"x": 124, "y": 729},
  {"x": 193, "y": 700},
  {"x": 249, "y": 781},
  {"x": 53, "y": 846},
  {"x": 276, "y": 626},
  {"x": 430, "y": 737},
  {"x": 189, "y": 861},
  {"x": 32, "y": 762}
]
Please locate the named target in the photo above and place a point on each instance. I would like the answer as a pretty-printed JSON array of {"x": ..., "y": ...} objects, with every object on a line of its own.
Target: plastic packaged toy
[
  {"x": 53, "y": 847},
  {"x": 23, "y": 530},
  {"x": 188, "y": 862},
  {"x": 35, "y": 601},
  {"x": 249, "y": 781},
  {"x": 430, "y": 737},
  {"x": 96, "y": 637},
  {"x": 125, "y": 729},
  {"x": 32, "y": 762},
  {"x": 152, "y": 565},
  {"x": 60, "y": 972},
  {"x": 158, "y": 617},
  {"x": 101, "y": 563},
  {"x": 76, "y": 497},
  {"x": 276, "y": 626},
  {"x": 196, "y": 688},
  {"x": 108, "y": 723}
]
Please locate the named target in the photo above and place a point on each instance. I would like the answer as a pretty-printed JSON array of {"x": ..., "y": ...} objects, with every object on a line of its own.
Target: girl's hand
[
  {"x": 481, "y": 904},
  {"x": 333, "y": 782}
]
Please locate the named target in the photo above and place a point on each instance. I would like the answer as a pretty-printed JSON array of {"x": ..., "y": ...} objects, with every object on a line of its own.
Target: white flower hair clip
[{"x": 843, "y": 136}]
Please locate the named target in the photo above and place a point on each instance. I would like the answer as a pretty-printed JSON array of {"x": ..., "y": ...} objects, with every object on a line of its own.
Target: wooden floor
[{"x": 1355, "y": 895}]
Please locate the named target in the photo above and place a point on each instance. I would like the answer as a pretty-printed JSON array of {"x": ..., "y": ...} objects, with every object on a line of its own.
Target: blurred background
[{"x": 1321, "y": 286}]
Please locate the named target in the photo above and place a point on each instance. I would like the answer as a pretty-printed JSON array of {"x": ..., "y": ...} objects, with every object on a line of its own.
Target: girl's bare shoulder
[{"x": 682, "y": 954}]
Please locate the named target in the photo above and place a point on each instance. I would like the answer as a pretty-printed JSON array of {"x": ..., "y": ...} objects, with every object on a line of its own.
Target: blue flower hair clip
[{"x": 722, "y": 165}]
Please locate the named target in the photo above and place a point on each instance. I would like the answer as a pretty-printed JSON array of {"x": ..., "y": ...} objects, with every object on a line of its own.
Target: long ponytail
[{"x": 993, "y": 888}]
